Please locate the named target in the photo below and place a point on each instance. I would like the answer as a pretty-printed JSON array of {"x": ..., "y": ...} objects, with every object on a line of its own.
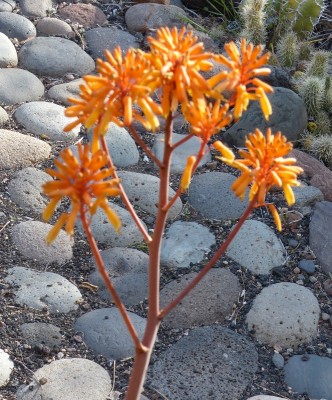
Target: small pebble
[
  {"x": 300, "y": 282},
  {"x": 293, "y": 243},
  {"x": 307, "y": 266},
  {"x": 312, "y": 279},
  {"x": 325, "y": 316},
  {"x": 278, "y": 360},
  {"x": 296, "y": 270}
]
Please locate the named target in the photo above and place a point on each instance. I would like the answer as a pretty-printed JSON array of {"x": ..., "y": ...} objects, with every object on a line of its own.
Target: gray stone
[
  {"x": 46, "y": 120},
  {"x": 307, "y": 195},
  {"x": 101, "y": 39},
  {"x": 104, "y": 232},
  {"x": 257, "y": 248},
  {"x": 278, "y": 77},
  {"x": 209, "y": 302},
  {"x": 86, "y": 15},
  {"x": 3, "y": 116},
  {"x": 55, "y": 57},
  {"x": 137, "y": 185},
  {"x": 284, "y": 313},
  {"x": 310, "y": 374},
  {"x": 180, "y": 155},
  {"x": 35, "y": 8},
  {"x": 320, "y": 238},
  {"x": 54, "y": 27},
  {"x": 289, "y": 116},
  {"x": 105, "y": 332},
  {"x": 68, "y": 379},
  {"x": 146, "y": 16},
  {"x": 25, "y": 189},
  {"x": 6, "y": 367},
  {"x": 60, "y": 93},
  {"x": 43, "y": 289},
  {"x": 30, "y": 239},
  {"x": 265, "y": 397},
  {"x": 40, "y": 333},
  {"x": 8, "y": 55},
  {"x": 186, "y": 243},
  {"x": 211, "y": 195},
  {"x": 7, "y": 5},
  {"x": 307, "y": 266},
  {"x": 16, "y": 26},
  {"x": 18, "y": 150},
  {"x": 128, "y": 269},
  {"x": 18, "y": 86},
  {"x": 210, "y": 362},
  {"x": 278, "y": 360}
]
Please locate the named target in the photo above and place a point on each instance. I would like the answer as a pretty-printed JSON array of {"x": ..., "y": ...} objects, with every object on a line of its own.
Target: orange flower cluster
[
  {"x": 262, "y": 166},
  {"x": 82, "y": 181}
]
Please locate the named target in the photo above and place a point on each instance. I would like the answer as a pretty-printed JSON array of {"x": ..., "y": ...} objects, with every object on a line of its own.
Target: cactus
[
  {"x": 304, "y": 15},
  {"x": 328, "y": 95},
  {"x": 307, "y": 139},
  {"x": 323, "y": 123},
  {"x": 253, "y": 17},
  {"x": 318, "y": 64},
  {"x": 287, "y": 49},
  {"x": 321, "y": 147},
  {"x": 311, "y": 89},
  {"x": 305, "y": 51}
]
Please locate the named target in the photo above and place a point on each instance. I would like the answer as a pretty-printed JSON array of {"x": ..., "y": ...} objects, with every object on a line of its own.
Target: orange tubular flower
[
  {"x": 122, "y": 82},
  {"x": 179, "y": 58},
  {"x": 240, "y": 80},
  {"x": 82, "y": 181},
  {"x": 263, "y": 166}
]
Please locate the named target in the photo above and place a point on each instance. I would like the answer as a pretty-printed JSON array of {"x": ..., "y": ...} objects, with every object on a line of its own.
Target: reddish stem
[{"x": 180, "y": 142}]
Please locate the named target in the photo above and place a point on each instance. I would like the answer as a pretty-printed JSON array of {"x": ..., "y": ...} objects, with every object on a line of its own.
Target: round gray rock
[
  {"x": 30, "y": 239},
  {"x": 211, "y": 195},
  {"x": 104, "y": 232},
  {"x": 7, "y": 5},
  {"x": 6, "y": 367},
  {"x": 43, "y": 289},
  {"x": 68, "y": 379},
  {"x": 8, "y": 55},
  {"x": 54, "y": 27},
  {"x": 180, "y": 155},
  {"x": 257, "y": 248},
  {"x": 45, "y": 119},
  {"x": 101, "y": 39},
  {"x": 40, "y": 333},
  {"x": 105, "y": 332},
  {"x": 285, "y": 314},
  {"x": 210, "y": 362},
  {"x": 18, "y": 150},
  {"x": 289, "y": 116},
  {"x": 55, "y": 57},
  {"x": 137, "y": 185},
  {"x": 264, "y": 397},
  {"x": 307, "y": 195},
  {"x": 16, "y": 26},
  {"x": 35, "y": 8},
  {"x": 25, "y": 189},
  {"x": 209, "y": 302},
  {"x": 18, "y": 86},
  {"x": 128, "y": 269},
  {"x": 60, "y": 93},
  {"x": 3, "y": 116},
  {"x": 186, "y": 243}
]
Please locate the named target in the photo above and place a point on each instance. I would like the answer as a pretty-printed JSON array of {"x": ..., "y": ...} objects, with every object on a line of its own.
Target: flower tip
[{"x": 187, "y": 173}]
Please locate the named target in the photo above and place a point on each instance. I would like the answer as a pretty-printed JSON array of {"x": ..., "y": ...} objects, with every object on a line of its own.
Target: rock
[
  {"x": 180, "y": 154},
  {"x": 54, "y": 27},
  {"x": 146, "y": 16},
  {"x": 18, "y": 86},
  {"x": 104, "y": 232},
  {"x": 153, "y": 1},
  {"x": 293, "y": 243},
  {"x": 128, "y": 269},
  {"x": 279, "y": 77},
  {"x": 39, "y": 334},
  {"x": 30, "y": 239},
  {"x": 320, "y": 238},
  {"x": 186, "y": 243},
  {"x": 105, "y": 332},
  {"x": 310, "y": 374},
  {"x": 137, "y": 185},
  {"x": 264, "y": 397},
  {"x": 45, "y": 119},
  {"x": 42, "y": 290},
  {"x": 87, "y": 15},
  {"x": 6, "y": 367},
  {"x": 7, "y": 5},
  {"x": 25, "y": 189},
  {"x": 101, "y": 39},
  {"x": 54, "y": 57},
  {"x": 35, "y": 8},
  {"x": 211, "y": 195},
  {"x": 68, "y": 379},
  {"x": 308, "y": 163},
  {"x": 8, "y": 55},
  {"x": 4, "y": 117},
  {"x": 323, "y": 182},
  {"x": 307, "y": 195},
  {"x": 289, "y": 116},
  {"x": 285, "y": 314},
  {"x": 18, "y": 150},
  {"x": 257, "y": 248},
  {"x": 210, "y": 362},
  {"x": 278, "y": 360},
  {"x": 16, "y": 26},
  {"x": 60, "y": 93},
  {"x": 307, "y": 266},
  {"x": 209, "y": 302}
]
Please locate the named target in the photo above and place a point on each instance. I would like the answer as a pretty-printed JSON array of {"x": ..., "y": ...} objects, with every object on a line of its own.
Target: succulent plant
[
  {"x": 323, "y": 123},
  {"x": 318, "y": 64},
  {"x": 288, "y": 49},
  {"x": 307, "y": 139},
  {"x": 304, "y": 15},
  {"x": 305, "y": 50},
  {"x": 253, "y": 17},
  {"x": 321, "y": 147},
  {"x": 311, "y": 89},
  {"x": 328, "y": 95}
]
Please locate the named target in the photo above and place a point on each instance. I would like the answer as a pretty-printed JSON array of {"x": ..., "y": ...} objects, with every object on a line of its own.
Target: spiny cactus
[
  {"x": 253, "y": 17},
  {"x": 304, "y": 15},
  {"x": 307, "y": 139},
  {"x": 305, "y": 51},
  {"x": 323, "y": 123},
  {"x": 288, "y": 49},
  {"x": 321, "y": 147},
  {"x": 328, "y": 95},
  {"x": 311, "y": 89},
  {"x": 318, "y": 64}
]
